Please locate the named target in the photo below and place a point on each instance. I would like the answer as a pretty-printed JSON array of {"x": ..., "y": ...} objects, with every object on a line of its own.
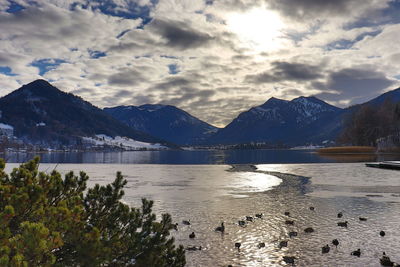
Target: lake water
[
  {"x": 209, "y": 194},
  {"x": 198, "y": 157}
]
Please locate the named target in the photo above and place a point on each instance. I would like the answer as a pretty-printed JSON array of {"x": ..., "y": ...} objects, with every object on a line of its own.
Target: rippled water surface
[{"x": 209, "y": 194}]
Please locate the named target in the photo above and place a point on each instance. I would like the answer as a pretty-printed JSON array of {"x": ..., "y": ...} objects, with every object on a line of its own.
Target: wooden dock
[{"x": 393, "y": 165}]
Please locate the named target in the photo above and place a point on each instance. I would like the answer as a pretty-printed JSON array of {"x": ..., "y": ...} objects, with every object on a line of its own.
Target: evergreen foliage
[{"x": 49, "y": 221}]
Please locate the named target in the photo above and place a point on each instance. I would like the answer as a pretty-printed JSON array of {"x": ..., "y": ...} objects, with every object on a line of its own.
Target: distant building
[
  {"x": 6, "y": 130},
  {"x": 389, "y": 143}
]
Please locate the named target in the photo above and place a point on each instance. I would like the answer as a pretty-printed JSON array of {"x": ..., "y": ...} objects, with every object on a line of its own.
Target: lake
[
  {"x": 209, "y": 194},
  {"x": 198, "y": 157}
]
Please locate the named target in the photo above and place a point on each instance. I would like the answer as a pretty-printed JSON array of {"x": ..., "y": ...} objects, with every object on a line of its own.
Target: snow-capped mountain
[
  {"x": 164, "y": 121},
  {"x": 41, "y": 113},
  {"x": 299, "y": 121}
]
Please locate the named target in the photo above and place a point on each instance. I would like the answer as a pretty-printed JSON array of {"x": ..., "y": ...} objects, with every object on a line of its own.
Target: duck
[
  {"x": 289, "y": 259},
  {"x": 193, "y": 248},
  {"x": 287, "y": 213},
  {"x": 385, "y": 260},
  {"x": 186, "y": 222},
  {"x": 342, "y": 224},
  {"x": 325, "y": 249},
  {"x": 242, "y": 223},
  {"x": 309, "y": 230},
  {"x": 363, "y": 219},
  {"x": 382, "y": 233},
  {"x": 259, "y": 215},
  {"x": 289, "y": 222},
  {"x": 261, "y": 245},
  {"x": 356, "y": 253},
  {"x": 192, "y": 235},
  {"x": 220, "y": 228},
  {"x": 291, "y": 234},
  {"x": 238, "y": 245},
  {"x": 340, "y": 215},
  {"x": 312, "y": 208},
  {"x": 335, "y": 242},
  {"x": 283, "y": 244},
  {"x": 249, "y": 218}
]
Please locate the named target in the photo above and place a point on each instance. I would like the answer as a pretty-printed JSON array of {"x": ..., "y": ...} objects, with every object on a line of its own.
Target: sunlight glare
[{"x": 258, "y": 28}]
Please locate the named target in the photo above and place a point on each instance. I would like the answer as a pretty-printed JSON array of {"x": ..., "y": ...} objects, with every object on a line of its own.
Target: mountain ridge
[
  {"x": 42, "y": 113},
  {"x": 164, "y": 121}
]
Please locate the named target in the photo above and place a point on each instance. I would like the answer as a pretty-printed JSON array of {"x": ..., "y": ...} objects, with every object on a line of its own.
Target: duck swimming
[
  {"x": 192, "y": 235},
  {"x": 325, "y": 249},
  {"x": 220, "y": 228},
  {"x": 356, "y": 253},
  {"x": 335, "y": 242}
]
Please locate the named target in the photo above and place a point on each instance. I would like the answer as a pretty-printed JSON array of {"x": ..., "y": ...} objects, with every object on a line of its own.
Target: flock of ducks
[{"x": 384, "y": 260}]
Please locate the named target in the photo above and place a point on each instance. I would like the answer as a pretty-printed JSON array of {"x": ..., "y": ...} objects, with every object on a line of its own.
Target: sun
[{"x": 257, "y": 28}]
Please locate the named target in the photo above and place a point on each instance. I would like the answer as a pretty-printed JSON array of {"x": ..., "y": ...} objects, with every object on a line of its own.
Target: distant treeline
[{"x": 367, "y": 123}]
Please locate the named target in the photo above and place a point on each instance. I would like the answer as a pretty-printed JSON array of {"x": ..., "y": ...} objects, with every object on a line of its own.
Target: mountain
[
  {"x": 296, "y": 122},
  {"x": 41, "y": 113},
  {"x": 393, "y": 96},
  {"x": 164, "y": 121}
]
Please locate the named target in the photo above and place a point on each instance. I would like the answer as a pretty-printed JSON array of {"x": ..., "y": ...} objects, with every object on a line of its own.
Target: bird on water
[
  {"x": 289, "y": 259},
  {"x": 237, "y": 245},
  {"x": 309, "y": 230},
  {"x": 292, "y": 234},
  {"x": 356, "y": 253},
  {"x": 220, "y": 228},
  {"x": 242, "y": 223},
  {"x": 325, "y": 249},
  {"x": 283, "y": 244},
  {"x": 335, "y": 242},
  {"x": 192, "y": 235}
]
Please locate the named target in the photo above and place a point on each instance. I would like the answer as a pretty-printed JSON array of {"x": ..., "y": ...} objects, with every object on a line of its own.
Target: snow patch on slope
[{"x": 122, "y": 142}]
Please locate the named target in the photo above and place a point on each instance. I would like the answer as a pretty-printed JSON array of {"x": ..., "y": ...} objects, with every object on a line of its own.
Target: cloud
[
  {"x": 125, "y": 77},
  {"x": 354, "y": 84},
  {"x": 179, "y": 35},
  {"x": 310, "y": 9},
  {"x": 286, "y": 71}
]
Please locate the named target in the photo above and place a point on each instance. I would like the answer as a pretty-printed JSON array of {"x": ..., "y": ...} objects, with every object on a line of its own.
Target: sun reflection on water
[{"x": 250, "y": 182}]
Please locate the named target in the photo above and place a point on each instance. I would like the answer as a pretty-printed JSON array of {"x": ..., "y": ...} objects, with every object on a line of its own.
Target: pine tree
[{"x": 46, "y": 220}]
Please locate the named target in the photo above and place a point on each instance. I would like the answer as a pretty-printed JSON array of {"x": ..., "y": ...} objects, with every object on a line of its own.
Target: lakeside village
[{"x": 100, "y": 142}]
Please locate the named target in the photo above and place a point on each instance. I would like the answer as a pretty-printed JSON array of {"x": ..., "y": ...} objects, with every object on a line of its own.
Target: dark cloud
[
  {"x": 285, "y": 71},
  {"x": 179, "y": 35},
  {"x": 171, "y": 83},
  {"x": 123, "y": 94},
  {"x": 354, "y": 84},
  {"x": 125, "y": 77}
]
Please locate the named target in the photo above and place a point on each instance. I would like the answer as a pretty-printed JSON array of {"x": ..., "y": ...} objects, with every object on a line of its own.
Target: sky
[{"x": 212, "y": 58}]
